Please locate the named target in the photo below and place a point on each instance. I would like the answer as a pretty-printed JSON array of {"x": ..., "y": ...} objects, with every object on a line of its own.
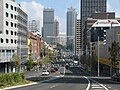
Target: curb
[
  {"x": 12, "y": 87},
  {"x": 34, "y": 83}
]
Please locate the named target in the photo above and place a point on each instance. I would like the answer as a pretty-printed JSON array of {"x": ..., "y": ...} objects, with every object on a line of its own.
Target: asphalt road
[{"x": 75, "y": 79}]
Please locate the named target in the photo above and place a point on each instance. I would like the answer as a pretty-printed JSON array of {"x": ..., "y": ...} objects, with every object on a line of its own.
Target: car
[
  {"x": 116, "y": 77},
  {"x": 52, "y": 70},
  {"x": 45, "y": 72}
]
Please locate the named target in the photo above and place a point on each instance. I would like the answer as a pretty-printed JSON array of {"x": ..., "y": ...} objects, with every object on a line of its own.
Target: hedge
[{"x": 11, "y": 79}]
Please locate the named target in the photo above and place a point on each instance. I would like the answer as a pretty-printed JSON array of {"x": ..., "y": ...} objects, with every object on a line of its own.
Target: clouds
[
  {"x": 34, "y": 10},
  {"x": 113, "y": 6}
]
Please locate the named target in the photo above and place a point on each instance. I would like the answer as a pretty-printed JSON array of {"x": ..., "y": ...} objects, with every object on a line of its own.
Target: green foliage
[
  {"x": 16, "y": 61},
  {"x": 11, "y": 79},
  {"x": 114, "y": 51},
  {"x": 30, "y": 63}
]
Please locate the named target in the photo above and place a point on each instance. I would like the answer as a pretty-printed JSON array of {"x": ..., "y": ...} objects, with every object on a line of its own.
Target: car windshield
[{"x": 44, "y": 70}]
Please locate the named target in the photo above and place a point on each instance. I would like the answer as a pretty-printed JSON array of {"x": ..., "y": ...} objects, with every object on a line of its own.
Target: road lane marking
[
  {"x": 52, "y": 86},
  {"x": 97, "y": 87},
  {"x": 100, "y": 84},
  {"x": 88, "y": 87}
]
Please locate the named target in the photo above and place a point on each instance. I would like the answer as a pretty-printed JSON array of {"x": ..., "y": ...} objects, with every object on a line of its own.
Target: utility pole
[{"x": 98, "y": 56}]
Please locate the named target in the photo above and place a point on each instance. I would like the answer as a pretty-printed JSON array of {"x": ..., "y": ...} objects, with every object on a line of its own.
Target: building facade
[
  {"x": 8, "y": 33},
  {"x": 13, "y": 26},
  {"x": 34, "y": 45},
  {"x": 48, "y": 25},
  {"x": 77, "y": 38},
  {"x": 87, "y": 8},
  {"x": 71, "y": 27},
  {"x": 56, "y": 30},
  {"x": 22, "y": 34},
  {"x": 33, "y": 26}
]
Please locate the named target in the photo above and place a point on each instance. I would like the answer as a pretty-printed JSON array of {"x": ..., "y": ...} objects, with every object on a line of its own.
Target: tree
[
  {"x": 30, "y": 63},
  {"x": 16, "y": 61},
  {"x": 114, "y": 51}
]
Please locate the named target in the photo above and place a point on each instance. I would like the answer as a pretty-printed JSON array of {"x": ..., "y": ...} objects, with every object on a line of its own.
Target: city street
[{"x": 75, "y": 79}]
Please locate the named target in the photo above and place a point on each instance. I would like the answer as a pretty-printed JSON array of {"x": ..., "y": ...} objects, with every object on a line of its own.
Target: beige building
[
  {"x": 77, "y": 37},
  {"x": 34, "y": 45}
]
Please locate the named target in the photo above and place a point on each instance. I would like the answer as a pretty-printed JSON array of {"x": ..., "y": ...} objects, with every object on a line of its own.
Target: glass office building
[{"x": 88, "y": 7}]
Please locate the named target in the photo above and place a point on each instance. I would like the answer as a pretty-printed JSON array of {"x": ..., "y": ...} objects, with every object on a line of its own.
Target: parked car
[
  {"x": 45, "y": 72},
  {"x": 116, "y": 77}
]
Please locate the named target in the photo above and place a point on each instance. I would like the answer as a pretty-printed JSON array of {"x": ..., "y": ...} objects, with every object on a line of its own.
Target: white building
[{"x": 8, "y": 33}]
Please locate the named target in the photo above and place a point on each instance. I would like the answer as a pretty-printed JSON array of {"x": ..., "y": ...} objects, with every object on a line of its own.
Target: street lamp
[{"x": 98, "y": 57}]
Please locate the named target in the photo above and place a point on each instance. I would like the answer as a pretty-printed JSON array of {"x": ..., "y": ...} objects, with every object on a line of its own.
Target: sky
[{"x": 34, "y": 9}]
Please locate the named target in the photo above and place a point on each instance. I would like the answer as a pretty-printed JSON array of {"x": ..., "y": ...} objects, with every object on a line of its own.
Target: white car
[{"x": 45, "y": 72}]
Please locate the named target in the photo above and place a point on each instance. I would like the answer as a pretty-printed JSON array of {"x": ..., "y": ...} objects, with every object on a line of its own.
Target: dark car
[
  {"x": 116, "y": 77},
  {"x": 52, "y": 70}
]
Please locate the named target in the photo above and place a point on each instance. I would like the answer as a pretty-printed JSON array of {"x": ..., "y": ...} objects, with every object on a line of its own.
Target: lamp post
[{"x": 98, "y": 56}]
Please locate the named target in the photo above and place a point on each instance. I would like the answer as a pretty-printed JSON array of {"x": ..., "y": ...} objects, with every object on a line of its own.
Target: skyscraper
[
  {"x": 33, "y": 26},
  {"x": 87, "y": 8},
  {"x": 71, "y": 26},
  {"x": 56, "y": 30},
  {"x": 48, "y": 25}
]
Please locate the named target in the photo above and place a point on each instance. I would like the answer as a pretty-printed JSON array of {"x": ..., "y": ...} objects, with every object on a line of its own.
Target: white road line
[
  {"x": 88, "y": 87},
  {"x": 100, "y": 84},
  {"x": 97, "y": 87},
  {"x": 109, "y": 87},
  {"x": 52, "y": 86}
]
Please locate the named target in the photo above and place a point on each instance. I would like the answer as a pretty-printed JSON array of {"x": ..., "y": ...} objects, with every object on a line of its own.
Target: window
[
  {"x": 1, "y": 40},
  {"x": 15, "y": 41},
  {"x": 15, "y": 25},
  {"x": 7, "y": 23},
  {"x": 11, "y": 40},
  {"x": 3, "y": 52},
  {"x": 11, "y": 32},
  {"x": 7, "y": 32},
  {"x": 7, "y": 14},
  {"x": 7, "y": 40},
  {"x": 15, "y": 33},
  {"x": 11, "y": 7},
  {"x": 13, "y": 51},
  {"x": 11, "y": 24},
  {"x": 6, "y": 5},
  {"x": 15, "y": 16},
  {"x": 15, "y": 8},
  {"x": 12, "y": 16}
]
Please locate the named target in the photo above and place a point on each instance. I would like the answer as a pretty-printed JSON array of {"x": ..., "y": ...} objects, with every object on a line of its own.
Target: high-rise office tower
[
  {"x": 56, "y": 30},
  {"x": 33, "y": 26},
  {"x": 87, "y": 8},
  {"x": 71, "y": 26},
  {"x": 48, "y": 25}
]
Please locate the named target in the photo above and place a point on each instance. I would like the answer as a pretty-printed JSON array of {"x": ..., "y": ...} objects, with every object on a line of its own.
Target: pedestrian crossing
[{"x": 96, "y": 86}]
